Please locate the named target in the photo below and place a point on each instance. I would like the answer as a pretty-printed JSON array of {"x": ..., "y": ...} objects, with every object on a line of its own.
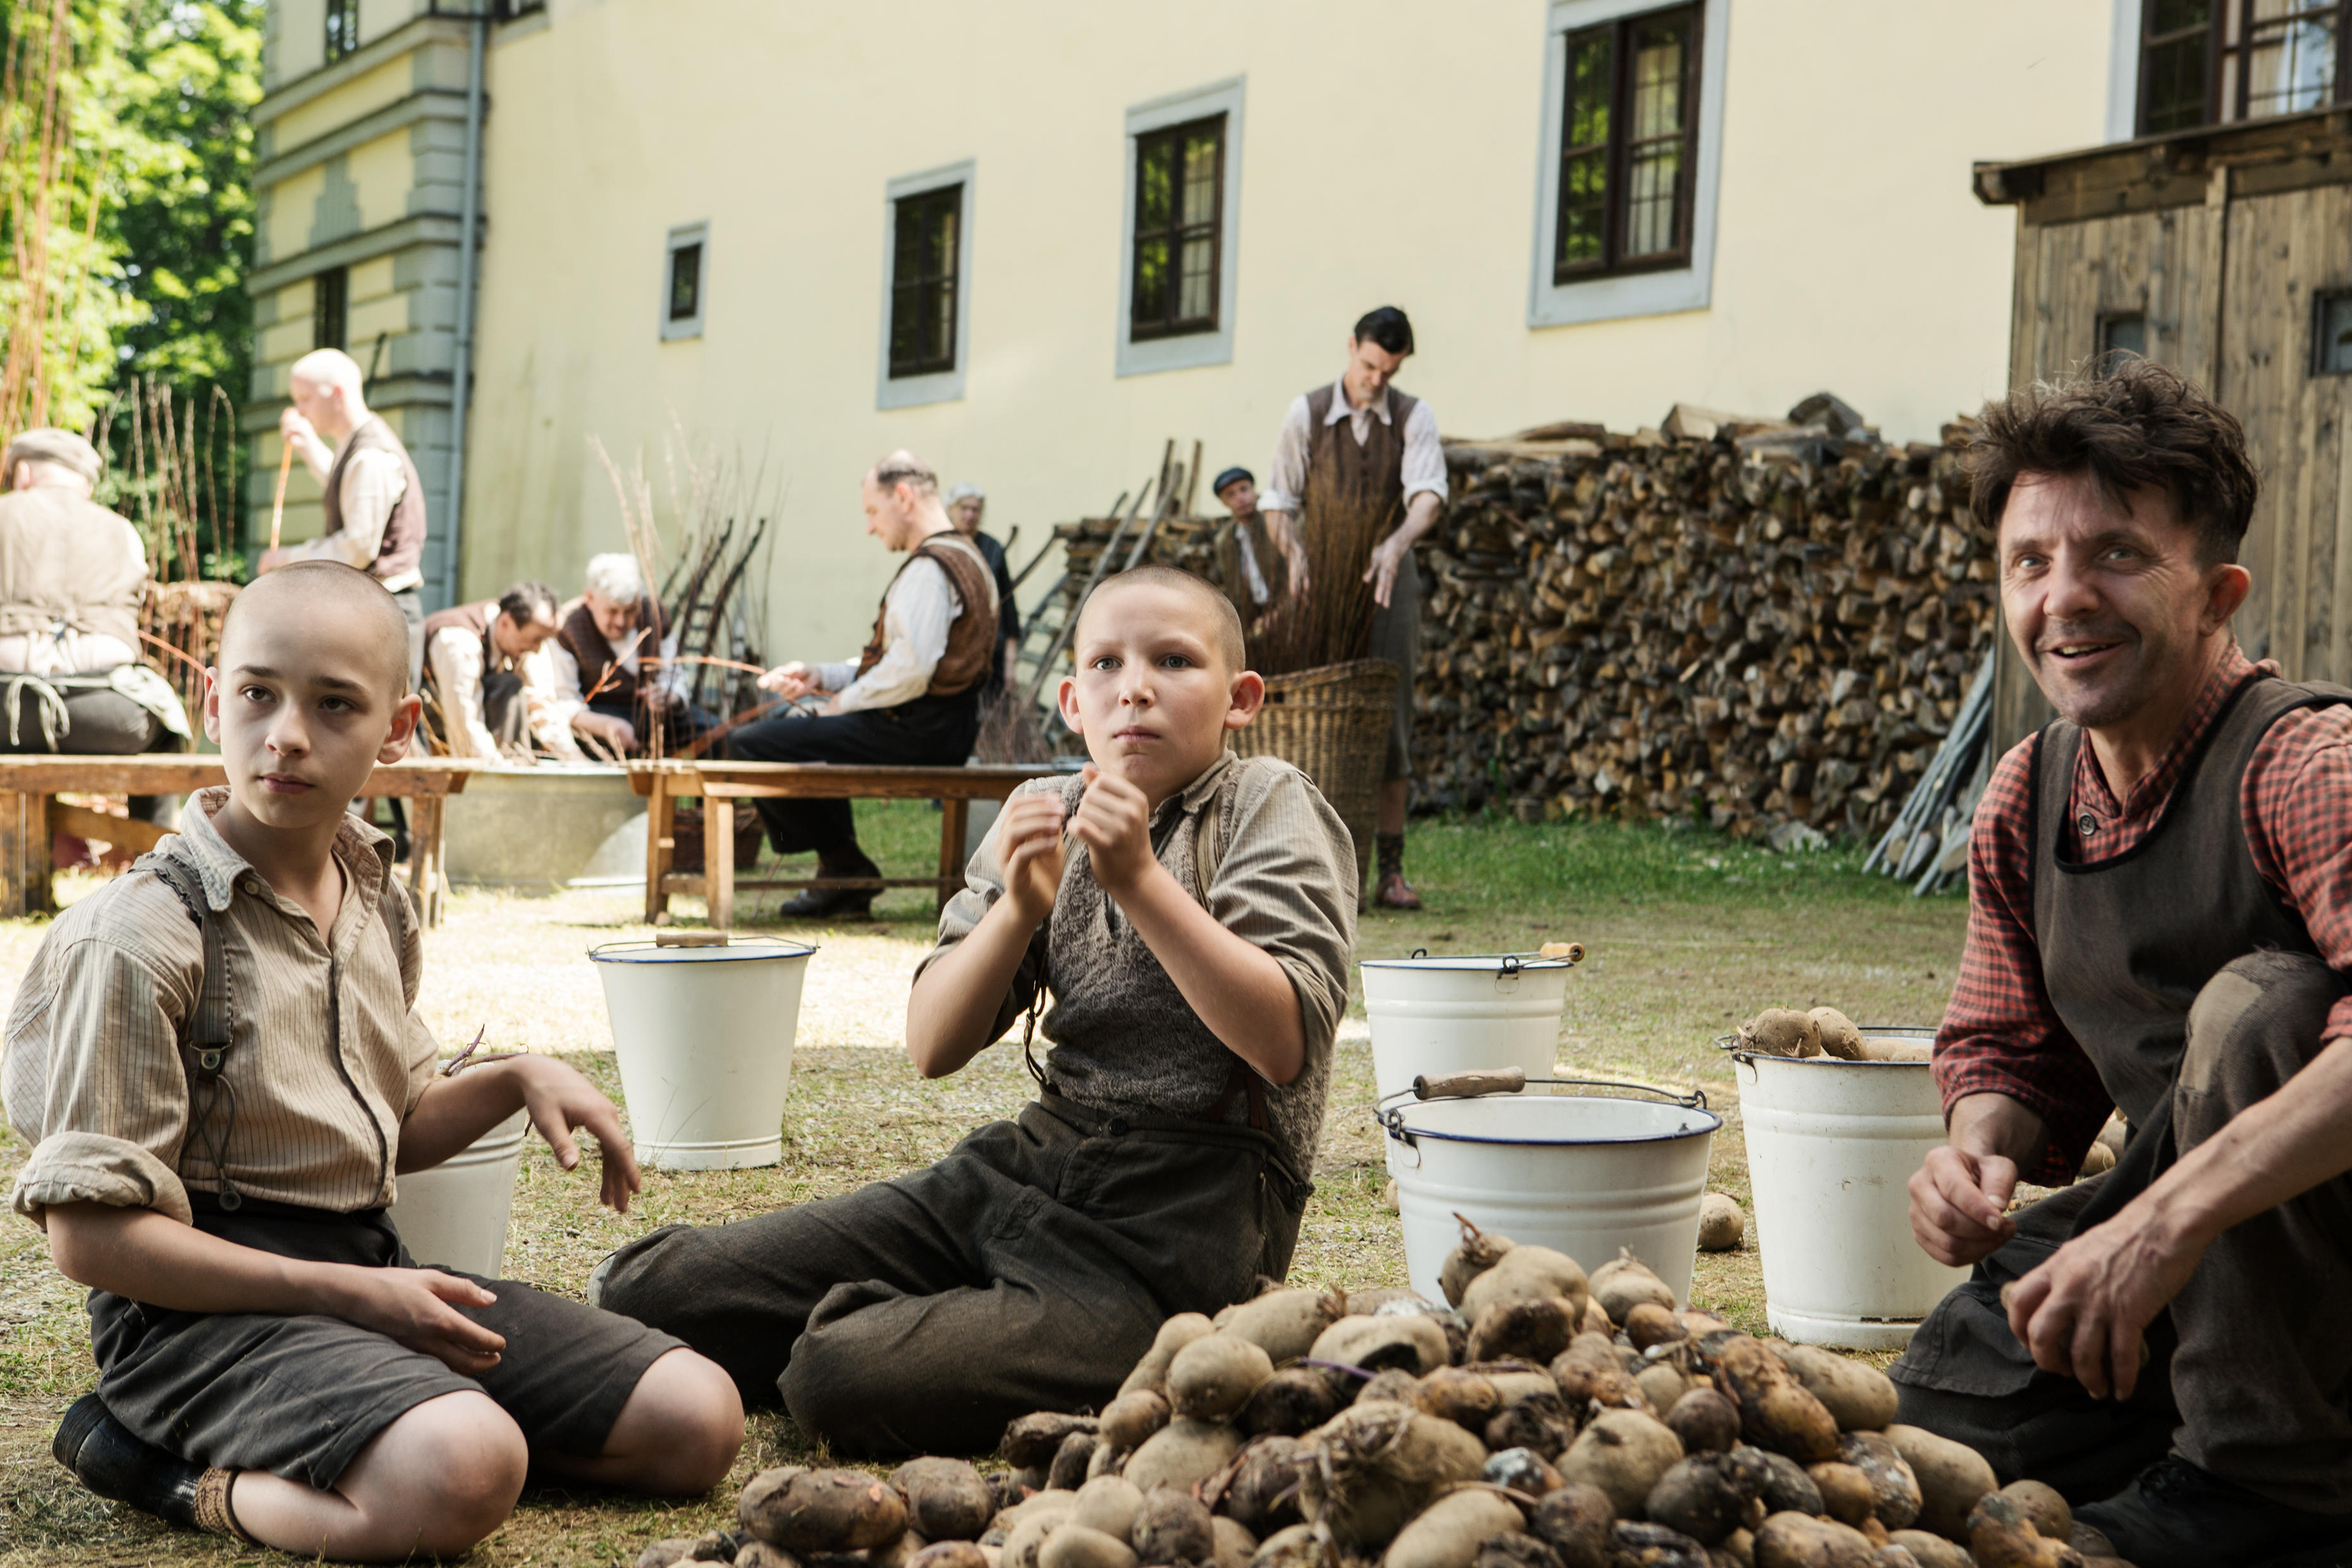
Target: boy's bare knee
[
  {"x": 684, "y": 1422},
  {"x": 454, "y": 1466}
]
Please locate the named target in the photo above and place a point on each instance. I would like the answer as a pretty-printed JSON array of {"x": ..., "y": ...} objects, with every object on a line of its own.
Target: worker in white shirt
[
  {"x": 373, "y": 500},
  {"x": 911, "y": 696},
  {"x": 489, "y": 688}
]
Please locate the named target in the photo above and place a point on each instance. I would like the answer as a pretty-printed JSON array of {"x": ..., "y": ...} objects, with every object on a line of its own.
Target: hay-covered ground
[{"x": 1686, "y": 933}]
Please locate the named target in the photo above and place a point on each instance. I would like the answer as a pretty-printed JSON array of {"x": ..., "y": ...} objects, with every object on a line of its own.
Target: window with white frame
[
  {"x": 1631, "y": 157},
  {"x": 686, "y": 281},
  {"x": 926, "y": 286},
  {"x": 1179, "y": 232}
]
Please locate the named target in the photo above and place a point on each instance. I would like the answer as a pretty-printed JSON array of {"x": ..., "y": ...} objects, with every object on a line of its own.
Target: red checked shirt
[{"x": 2001, "y": 1034}]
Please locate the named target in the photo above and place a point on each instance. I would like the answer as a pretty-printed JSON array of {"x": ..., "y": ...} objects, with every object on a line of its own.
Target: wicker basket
[{"x": 1332, "y": 724}]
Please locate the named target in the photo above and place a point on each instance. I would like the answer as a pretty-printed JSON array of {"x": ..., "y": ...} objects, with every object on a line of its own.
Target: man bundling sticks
[
  {"x": 2160, "y": 919},
  {"x": 1387, "y": 456},
  {"x": 911, "y": 696},
  {"x": 616, "y": 675}
]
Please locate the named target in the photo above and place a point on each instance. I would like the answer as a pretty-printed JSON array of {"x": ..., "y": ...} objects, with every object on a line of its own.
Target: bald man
[{"x": 373, "y": 500}]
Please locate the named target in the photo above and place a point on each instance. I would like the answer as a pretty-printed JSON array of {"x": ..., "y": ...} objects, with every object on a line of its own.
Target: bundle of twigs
[{"x": 1331, "y": 622}]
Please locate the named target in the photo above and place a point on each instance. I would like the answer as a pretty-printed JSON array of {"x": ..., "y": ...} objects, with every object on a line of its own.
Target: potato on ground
[
  {"x": 1858, "y": 1398},
  {"x": 1477, "y": 1251},
  {"x": 2044, "y": 1506},
  {"x": 1236, "y": 1544},
  {"x": 1847, "y": 1495},
  {"x": 806, "y": 1510},
  {"x": 1447, "y": 1534},
  {"x": 1624, "y": 1282},
  {"x": 1173, "y": 1526},
  {"x": 1522, "y": 1470},
  {"x": 1662, "y": 1385},
  {"x": 1703, "y": 1422},
  {"x": 1467, "y": 1399},
  {"x": 1127, "y": 1420},
  {"x": 1075, "y": 1545},
  {"x": 1515, "y": 1549},
  {"x": 1413, "y": 1342},
  {"x": 1377, "y": 1464},
  {"x": 1263, "y": 1491},
  {"x": 1295, "y": 1400},
  {"x": 1025, "y": 1542},
  {"x": 1073, "y": 1462},
  {"x": 1794, "y": 1540},
  {"x": 1776, "y": 1410},
  {"x": 1574, "y": 1521},
  {"x": 1283, "y": 1322},
  {"x": 1182, "y": 1455},
  {"x": 1034, "y": 1440},
  {"x": 1624, "y": 1453},
  {"x": 1174, "y": 1335},
  {"x": 1296, "y": 1547},
  {"x": 1897, "y": 1489},
  {"x": 1701, "y": 1497},
  {"x": 1722, "y": 1223},
  {"x": 1212, "y": 1378},
  {"x": 1533, "y": 1328},
  {"x": 1953, "y": 1477},
  {"x": 947, "y": 1500},
  {"x": 1527, "y": 1274},
  {"x": 1930, "y": 1550},
  {"x": 2001, "y": 1535}
]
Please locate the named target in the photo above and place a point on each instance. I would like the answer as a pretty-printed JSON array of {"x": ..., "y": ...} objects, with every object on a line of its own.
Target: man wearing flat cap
[
  {"x": 1254, "y": 548},
  {"x": 72, "y": 575},
  {"x": 965, "y": 503}
]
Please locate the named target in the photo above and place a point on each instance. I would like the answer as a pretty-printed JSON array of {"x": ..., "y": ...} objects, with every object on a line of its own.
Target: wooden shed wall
[{"x": 2226, "y": 285}]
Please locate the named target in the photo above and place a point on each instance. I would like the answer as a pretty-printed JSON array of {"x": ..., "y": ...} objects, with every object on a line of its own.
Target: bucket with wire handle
[
  {"x": 1432, "y": 1018},
  {"x": 1832, "y": 1145},
  {"x": 1584, "y": 1173}
]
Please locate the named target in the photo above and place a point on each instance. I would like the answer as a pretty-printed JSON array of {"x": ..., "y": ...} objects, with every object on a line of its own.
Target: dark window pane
[
  {"x": 1654, "y": 162},
  {"x": 2124, "y": 334},
  {"x": 1180, "y": 197},
  {"x": 2171, "y": 16},
  {"x": 926, "y": 229},
  {"x": 685, "y": 282},
  {"x": 2176, "y": 65},
  {"x": 330, "y": 297},
  {"x": 2333, "y": 356},
  {"x": 342, "y": 28},
  {"x": 1583, "y": 236}
]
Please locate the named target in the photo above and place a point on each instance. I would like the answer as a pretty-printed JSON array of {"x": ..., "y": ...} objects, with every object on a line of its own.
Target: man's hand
[
  {"x": 1959, "y": 1203},
  {"x": 1114, "y": 822},
  {"x": 618, "y": 735},
  {"x": 2085, "y": 1314},
  {"x": 1381, "y": 573},
  {"x": 417, "y": 1307},
  {"x": 791, "y": 681},
  {"x": 1283, "y": 528},
  {"x": 271, "y": 560},
  {"x": 294, "y": 430},
  {"x": 1029, "y": 846},
  {"x": 559, "y": 1100}
]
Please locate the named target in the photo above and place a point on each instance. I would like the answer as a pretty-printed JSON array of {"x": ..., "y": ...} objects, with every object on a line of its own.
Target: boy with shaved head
[
  {"x": 1193, "y": 914},
  {"x": 218, "y": 1061}
]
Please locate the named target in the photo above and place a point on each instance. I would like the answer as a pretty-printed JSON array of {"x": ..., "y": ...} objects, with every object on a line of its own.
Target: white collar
[{"x": 1342, "y": 408}]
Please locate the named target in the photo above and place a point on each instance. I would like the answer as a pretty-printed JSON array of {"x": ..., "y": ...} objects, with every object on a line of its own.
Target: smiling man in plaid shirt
[{"x": 2160, "y": 919}]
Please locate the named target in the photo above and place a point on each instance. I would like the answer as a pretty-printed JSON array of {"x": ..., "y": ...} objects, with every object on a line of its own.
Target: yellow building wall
[{"x": 1390, "y": 156}]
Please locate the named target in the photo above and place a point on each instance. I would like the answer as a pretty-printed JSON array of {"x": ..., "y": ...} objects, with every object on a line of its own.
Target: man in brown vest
[
  {"x": 489, "y": 680},
  {"x": 2159, "y": 922},
  {"x": 614, "y": 679},
  {"x": 373, "y": 500},
  {"x": 911, "y": 696},
  {"x": 1389, "y": 452}
]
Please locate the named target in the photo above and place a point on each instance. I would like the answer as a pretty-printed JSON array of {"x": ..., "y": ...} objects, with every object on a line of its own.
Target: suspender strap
[{"x": 211, "y": 1031}]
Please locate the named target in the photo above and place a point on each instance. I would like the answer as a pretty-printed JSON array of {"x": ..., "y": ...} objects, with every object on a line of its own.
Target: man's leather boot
[{"x": 2177, "y": 1515}]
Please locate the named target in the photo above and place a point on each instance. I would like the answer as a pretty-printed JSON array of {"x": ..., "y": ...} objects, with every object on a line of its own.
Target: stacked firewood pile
[{"x": 1758, "y": 623}]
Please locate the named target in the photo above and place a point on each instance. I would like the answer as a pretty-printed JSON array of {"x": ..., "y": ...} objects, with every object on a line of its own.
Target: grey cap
[
  {"x": 62, "y": 447},
  {"x": 966, "y": 491}
]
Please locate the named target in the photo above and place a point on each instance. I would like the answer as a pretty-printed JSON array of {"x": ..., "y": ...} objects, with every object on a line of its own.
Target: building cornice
[
  {"x": 425, "y": 103},
  {"x": 422, "y": 228},
  {"x": 312, "y": 85}
]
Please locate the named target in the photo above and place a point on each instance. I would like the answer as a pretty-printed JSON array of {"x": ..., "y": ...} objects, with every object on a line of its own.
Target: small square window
[
  {"x": 331, "y": 308},
  {"x": 685, "y": 281},
  {"x": 2332, "y": 353},
  {"x": 342, "y": 28},
  {"x": 2124, "y": 332}
]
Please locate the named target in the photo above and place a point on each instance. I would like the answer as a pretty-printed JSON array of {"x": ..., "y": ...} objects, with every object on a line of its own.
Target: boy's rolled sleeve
[
  {"x": 1286, "y": 886},
  {"x": 115, "y": 1106}
]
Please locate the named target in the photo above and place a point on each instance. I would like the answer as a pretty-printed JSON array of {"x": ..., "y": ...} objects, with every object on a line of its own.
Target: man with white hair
[
  {"x": 966, "y": 501},
  {"x": 611, "y": 642},
  {"x": 912, "y": 697},
  {"x": 373, "y": 499},
  {"x": 72, "y": 576}
]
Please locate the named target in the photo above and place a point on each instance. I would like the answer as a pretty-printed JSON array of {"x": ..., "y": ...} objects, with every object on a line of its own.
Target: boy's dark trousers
[{"x": 1027, "y": 1271}]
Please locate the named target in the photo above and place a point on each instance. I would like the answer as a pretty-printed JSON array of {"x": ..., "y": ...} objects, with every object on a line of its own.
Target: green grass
[{"x": 1686, "y": 933}]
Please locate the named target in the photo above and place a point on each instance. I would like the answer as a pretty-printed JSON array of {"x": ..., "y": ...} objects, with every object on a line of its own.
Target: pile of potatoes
[
  {"x": 1821, "y": 1032},
  {"x": 1539, "y": 1418}
]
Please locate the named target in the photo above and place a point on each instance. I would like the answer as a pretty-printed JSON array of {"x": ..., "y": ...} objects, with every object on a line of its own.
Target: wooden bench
[
  {"x": 718, "y": 785},
  {"x": 29, "y": 815}
]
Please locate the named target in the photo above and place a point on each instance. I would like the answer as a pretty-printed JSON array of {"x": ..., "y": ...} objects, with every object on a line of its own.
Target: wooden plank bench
[
  {"x": 29, "y": 814},
  {"x": 718, "y": 785}
]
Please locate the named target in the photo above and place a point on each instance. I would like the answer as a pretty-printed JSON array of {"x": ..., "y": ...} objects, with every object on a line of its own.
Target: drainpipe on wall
[{"x": 468, "y": 219}]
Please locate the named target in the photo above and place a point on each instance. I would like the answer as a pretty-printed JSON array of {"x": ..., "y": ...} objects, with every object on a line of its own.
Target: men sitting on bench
[
  {"x": 489, "y": 680},
  {"x": 72, "y": 575},
  {"x": 912, "y": 697}
]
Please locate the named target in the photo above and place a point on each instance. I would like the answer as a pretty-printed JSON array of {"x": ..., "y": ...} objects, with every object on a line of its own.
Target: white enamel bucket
[
  {"x": 1434, "y": 1017},
  {"x": 1832, "y": 1145},
  {"x": 705, "y": 1038},
  {"x": 1582, "y": 1174},
  {"x": 454, "y": 1214}
]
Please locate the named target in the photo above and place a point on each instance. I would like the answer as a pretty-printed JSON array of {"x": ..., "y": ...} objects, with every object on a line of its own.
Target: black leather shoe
[
  {"x": 110, "y": 1460},
  {"x": 827, "y": 904},
  {"x": 2177, "y": 1515}
]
